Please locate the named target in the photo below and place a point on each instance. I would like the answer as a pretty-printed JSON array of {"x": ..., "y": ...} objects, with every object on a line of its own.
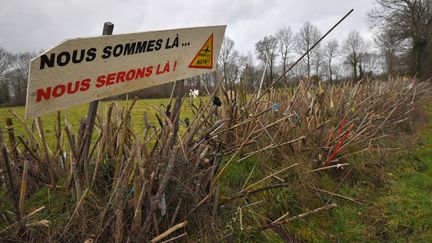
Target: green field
[{"x": 75, "y": 114}]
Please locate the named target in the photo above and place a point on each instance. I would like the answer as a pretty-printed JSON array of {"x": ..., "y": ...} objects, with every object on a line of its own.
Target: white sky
[{"x": 34, "y": 25}]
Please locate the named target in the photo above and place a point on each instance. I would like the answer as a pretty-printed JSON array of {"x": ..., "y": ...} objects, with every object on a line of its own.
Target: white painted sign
[{"x": 86, "y": 69}]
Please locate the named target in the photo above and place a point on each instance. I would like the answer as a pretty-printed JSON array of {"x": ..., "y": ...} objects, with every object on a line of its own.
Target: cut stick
[
  {"x": 24, "y": 218},
  {"x": 51, "y": 169},
  {"x": 77, "y": 208},
  {"x": 175, "y": 238},
  {"x": 269, "y": 176},
  {"x": 281, "y": 219},
  {"x": 329, "y": 167},
  {"x": 9, "y": 176},
  {"x": 169, "y": 231},
  {"x": 23, "y": 188},
  {"x": 339, "y": 195}
]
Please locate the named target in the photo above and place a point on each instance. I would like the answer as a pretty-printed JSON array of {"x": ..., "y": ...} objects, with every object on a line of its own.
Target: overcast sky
[{"x": 34, "y": 25}]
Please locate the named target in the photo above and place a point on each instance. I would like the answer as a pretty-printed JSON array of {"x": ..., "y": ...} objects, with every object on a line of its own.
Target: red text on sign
[{"x": 61, "y": 89}]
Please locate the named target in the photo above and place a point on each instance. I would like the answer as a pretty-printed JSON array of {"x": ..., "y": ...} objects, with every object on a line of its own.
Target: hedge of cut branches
[{"x": 168, "y": 181}]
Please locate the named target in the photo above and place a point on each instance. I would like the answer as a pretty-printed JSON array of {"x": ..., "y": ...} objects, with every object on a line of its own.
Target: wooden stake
[
  {"x": 175, "y": 115},
  {"x": 91, "y": 113},
  {"x": 11, "y": 133},
  {"x": 23, "y": 188},
  {"x": 9, "y": 175},
  {"x": 51, "y": 169}
]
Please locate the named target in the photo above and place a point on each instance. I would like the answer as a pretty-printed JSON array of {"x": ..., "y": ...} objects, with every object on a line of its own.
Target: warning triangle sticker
[{"x": 204, "y": 57}]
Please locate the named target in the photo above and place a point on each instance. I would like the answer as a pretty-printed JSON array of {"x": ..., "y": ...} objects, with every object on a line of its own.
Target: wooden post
[
  {"x": 11, "y": 181},
  {"x": 23, "y": 188},
  {"x": 10, "y": 129},
  {"x": 50, "y": 164},
  {"x": 91, "y": 113},
  {"x": 175, "y": 115}
]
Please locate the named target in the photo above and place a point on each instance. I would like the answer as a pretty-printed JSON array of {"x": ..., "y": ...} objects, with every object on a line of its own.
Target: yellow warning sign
[{"x": 204, "y": 57}]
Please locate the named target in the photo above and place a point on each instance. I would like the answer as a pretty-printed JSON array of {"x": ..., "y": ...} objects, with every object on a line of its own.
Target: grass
[
  {"x": 396, "y": 193},
  {"x": 58, "y": 205},
  {"x": 400, "y": 210}
]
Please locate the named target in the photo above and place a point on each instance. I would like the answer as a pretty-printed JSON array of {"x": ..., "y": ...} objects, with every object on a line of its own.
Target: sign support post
[
  {"x": 91, "y": 113},
  {"x": 175, "y": 115}
]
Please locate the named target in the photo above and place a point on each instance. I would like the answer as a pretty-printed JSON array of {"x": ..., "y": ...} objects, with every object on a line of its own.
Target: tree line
[
  {"x": 13, "y": 77},
  {"x": 401, "y": 46}
]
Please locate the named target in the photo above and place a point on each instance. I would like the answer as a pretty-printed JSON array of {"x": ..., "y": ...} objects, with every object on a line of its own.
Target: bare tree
[
  {"x": 330, "y": 52},
  {"x": 229, "y": 62},
  {"x": 285, "y": 39},
  {"x": 18, "y": 76},
  {"x": 307, "y": 36},
  {"x": 317, "y": 60},
  {"x": 5, "y": 63},
  {"x": 209, "y": 80},
  {"x": 369, "y": 63},
  {"x": 266, "y": 50},
  {"x": 249, "y": 75},
  {"x": 411, "y": 21},
  {"x": 353, "y": 48},
  {"x": 390, "y": 47}
]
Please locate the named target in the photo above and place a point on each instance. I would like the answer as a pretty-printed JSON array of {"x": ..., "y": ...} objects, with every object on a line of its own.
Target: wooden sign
[{"x": 86, "y": 69}]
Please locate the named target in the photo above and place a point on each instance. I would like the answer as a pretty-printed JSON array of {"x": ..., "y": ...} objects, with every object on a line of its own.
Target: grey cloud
[{"x": 41, "y": 24}]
